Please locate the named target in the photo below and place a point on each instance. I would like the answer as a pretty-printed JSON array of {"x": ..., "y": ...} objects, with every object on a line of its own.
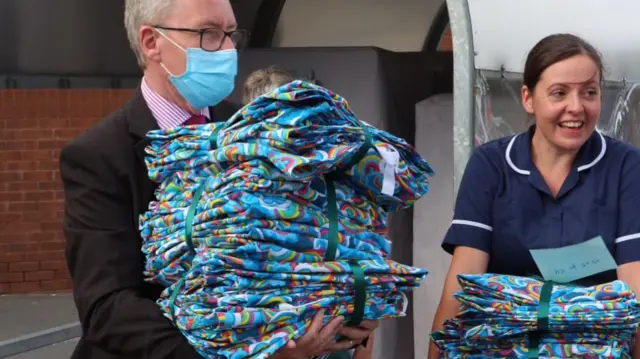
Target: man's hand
[{"x": 316, "y": 341}]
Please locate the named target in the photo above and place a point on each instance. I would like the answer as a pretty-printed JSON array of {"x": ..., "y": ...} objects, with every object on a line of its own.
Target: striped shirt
[{"x": 166, "y": 113}]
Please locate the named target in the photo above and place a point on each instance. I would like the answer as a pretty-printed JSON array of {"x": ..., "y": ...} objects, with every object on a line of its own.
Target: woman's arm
[
  {"x": 627, "y": 251},
  {"x": 469, "y": 236},
  {"x": 630, "y": 274},
  {"x": 465, "y": 260}
]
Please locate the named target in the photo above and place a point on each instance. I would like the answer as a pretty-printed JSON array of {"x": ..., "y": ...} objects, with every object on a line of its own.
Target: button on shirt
[{"x": 505, "y": 208}]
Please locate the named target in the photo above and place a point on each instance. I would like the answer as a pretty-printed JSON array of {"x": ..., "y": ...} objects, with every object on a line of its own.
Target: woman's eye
[{"x": 557, "y": 94}]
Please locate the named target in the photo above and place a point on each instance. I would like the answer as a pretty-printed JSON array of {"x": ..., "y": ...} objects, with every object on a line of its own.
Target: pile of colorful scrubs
[
  {"x": 261, "y": 221},
  {"x": 517, "y": 317}
]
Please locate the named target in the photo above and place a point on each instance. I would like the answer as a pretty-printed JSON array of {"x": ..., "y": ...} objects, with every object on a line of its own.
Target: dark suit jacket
[{"x": 106, "y": 189}]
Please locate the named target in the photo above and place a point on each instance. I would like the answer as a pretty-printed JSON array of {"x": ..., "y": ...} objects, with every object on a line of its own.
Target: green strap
[
  {"x": 543, "y": 320},
  {"x": 362, "y": 151},
  {"x": 190, "y": 217},
  {"x": 174, "y": 295},
  {"x": 360, "y": 287},
  {"x": 213, "y": 139},
  {"x": 330, "y": 178},
  {"x": 332, "y": 246}
]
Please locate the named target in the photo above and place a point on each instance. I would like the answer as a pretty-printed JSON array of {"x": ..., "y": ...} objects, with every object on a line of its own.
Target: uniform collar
[{"x": 518, "y": 152}]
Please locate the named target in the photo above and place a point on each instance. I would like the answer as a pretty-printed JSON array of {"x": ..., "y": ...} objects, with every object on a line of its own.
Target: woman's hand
[
  {"x": 355, "y": 335},
  {"x": 365, "y": 351},
  {"x": 318, "y": 340}
]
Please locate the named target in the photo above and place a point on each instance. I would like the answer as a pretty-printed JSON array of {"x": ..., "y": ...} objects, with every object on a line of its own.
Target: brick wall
[{"x": 34, "y": 125}]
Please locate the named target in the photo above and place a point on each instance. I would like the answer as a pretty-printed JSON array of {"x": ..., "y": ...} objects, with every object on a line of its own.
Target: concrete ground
[{"x": 26, "y": 314}]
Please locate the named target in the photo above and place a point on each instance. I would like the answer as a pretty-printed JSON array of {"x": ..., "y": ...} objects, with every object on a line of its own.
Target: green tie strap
[
  {"x": 543, "y": 320},
  {"x": 190, "y": 217}
]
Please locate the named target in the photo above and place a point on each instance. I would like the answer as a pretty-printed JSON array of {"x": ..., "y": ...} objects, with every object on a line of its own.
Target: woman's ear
[{"x": 527, "y": 100}]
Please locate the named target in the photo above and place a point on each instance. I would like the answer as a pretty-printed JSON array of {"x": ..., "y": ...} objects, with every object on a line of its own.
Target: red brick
[
  {"x": 50, "y": 185},
  {"x": 34, "y": 126},
  {"x": 10, "y": 156},
  {"x": 24, "y": 287},
  {"x": 40, "y": 275},
  {"x": 18, "y": 227},
  {"x": 54, "y": 265},
  {"x": 21, "y": 145},
  {"x": 50, "y": 226},
  {"x": 46, "y": 256},
  {"x": 9, "y": 217},
  {"x": 52, "y": 246},
  {"x": 11, "y": 196},
  {"x": 37, "y": 155},
  {"x": 24, "y": 266},
  {"x": 11, "y": 257},
  {"x": 57, "y": 284},
  {"x": 51, "y": 165},
  {"x": 23, "y": 207},
  {"x": 65, "y": 134},
  {"x": 51, "y": 123},
  {"x": 10, "y": 177},
  {"x": 62, "y": 274},
  {"x": 22, "y": 186},
  {"x": 22, "y": 124},
  {"x": 34, "y": 134},
  {"x": 11, "y": 277},
  {"x": 51, "y": 144},
  {"x": 21, "y": 166},
  {"x": 50, "y": 205},
  {"x": 39, "y": 196},
  {"x": 38, "y": 176}
]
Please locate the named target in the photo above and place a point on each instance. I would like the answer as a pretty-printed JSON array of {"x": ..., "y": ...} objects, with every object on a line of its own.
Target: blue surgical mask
[{"x": 209, "y": 76}]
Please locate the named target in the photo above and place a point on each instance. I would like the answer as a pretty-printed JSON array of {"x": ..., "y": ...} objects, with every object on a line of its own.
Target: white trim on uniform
[
  {"x": 627, "y": 238},
  {"x": 473, "y": 224},
  {"x": 507, "y": 154}
]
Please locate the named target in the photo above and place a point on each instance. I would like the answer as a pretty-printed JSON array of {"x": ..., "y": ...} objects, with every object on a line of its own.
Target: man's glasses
[{"x": 212, "y": 38}]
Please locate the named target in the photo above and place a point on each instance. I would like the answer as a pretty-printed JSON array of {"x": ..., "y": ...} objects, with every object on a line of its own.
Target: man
[{"x": 187, "y": 50}]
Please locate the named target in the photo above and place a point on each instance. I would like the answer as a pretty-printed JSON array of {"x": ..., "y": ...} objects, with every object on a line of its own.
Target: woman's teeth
[{"x": 572, "y": 124}]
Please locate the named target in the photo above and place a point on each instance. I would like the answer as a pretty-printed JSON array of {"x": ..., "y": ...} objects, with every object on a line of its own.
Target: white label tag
[{"x": 391, "y": 159}]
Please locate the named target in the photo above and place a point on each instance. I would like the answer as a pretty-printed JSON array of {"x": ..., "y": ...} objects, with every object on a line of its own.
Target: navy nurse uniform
[{"x": 505, "y": 208}]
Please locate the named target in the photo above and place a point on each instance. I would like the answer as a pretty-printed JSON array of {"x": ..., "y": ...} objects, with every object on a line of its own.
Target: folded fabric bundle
[
  {"x": 517, "y": 317},
  {"x": 262, "y": 220},
  {"x": 300, "y": 131},
  {"x": 237, "y": 308}
]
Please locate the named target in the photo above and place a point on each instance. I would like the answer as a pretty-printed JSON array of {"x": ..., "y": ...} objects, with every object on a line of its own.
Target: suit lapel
[{"x": 140, "y": 122}]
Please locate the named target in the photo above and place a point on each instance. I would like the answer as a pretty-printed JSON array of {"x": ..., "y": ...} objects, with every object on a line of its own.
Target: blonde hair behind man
[{"x": 262, "y": 81}]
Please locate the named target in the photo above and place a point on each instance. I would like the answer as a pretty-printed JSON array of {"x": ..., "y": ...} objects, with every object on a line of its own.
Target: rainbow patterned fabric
[
  {"x": 501, "y": 319},
  {"x": 282, "y": 210}
]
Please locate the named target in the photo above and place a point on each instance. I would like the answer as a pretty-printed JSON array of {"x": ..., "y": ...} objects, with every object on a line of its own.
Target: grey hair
[
  {"x": 138, "y": 13},
  {"x": 262, "y": 81}
]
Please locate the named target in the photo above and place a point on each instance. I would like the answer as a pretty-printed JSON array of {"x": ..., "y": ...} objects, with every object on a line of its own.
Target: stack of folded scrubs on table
[
  {"x": 517, "y": 317},
  {"x": 278, "y": 212}
]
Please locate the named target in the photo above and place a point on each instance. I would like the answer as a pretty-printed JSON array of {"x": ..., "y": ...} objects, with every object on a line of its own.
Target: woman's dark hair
[{"x": 553, "y": 49}]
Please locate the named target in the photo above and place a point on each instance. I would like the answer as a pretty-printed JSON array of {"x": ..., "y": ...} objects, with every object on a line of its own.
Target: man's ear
[
  {"x": 527, "y": 100},
  {"x": 148, "y": 43}
]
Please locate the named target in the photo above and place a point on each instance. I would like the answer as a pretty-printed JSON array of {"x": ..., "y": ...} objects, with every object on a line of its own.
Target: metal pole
[{"x": 463, "y": 87}]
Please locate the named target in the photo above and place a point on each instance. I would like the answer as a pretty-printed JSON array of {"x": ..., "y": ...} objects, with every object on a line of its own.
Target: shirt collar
[
  {"x": 166, "y": 113},
  {"x": 518, "y": 152}
]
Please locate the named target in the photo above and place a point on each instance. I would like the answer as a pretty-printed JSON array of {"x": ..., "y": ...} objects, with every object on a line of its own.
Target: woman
[{"x": 559, "y": 183}]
